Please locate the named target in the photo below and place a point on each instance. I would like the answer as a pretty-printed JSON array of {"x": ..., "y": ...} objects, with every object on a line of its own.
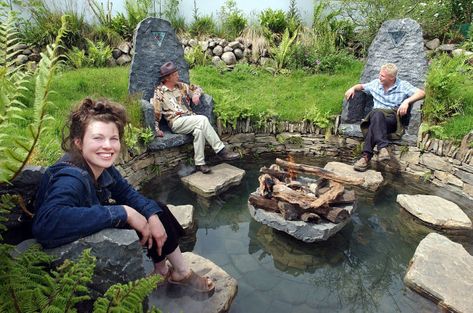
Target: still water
[{"x": 360, "y": 269}]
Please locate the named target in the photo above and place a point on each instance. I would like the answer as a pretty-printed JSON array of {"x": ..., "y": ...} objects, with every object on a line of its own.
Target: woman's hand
[
  {"x": 158, "y": 233},
  {"x": 138, "y": 222}
]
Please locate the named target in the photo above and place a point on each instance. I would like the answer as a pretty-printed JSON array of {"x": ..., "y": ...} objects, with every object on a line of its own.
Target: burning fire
[{"x": 290, "y": 170}]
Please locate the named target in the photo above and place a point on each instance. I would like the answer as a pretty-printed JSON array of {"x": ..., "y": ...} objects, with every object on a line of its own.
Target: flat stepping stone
[
  {"x": 221, "y": 178},
  {"x": 442, "y": 270},
  {"x": 435, "y": 211},
  {"x": 307, "y": 232},
  {"x": 372, "y": 179},
  {"x": 170, "y": 298},
  {"x": 184, "y": 215}
]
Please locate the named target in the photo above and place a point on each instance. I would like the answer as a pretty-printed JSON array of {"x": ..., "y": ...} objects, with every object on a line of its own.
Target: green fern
[
  {"x": 282, "y": 51},
  {"x": 126, "y": 298},
  {"x": 16, "y": 149}
]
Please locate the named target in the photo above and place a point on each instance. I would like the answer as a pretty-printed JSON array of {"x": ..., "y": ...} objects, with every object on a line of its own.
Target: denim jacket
[{"x": 69, "y": 205}]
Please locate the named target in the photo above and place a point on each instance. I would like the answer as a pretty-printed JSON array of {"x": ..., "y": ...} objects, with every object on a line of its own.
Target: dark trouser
[
  {"x": 379, "y": 128},
  {"x": 173, "y": 230}
]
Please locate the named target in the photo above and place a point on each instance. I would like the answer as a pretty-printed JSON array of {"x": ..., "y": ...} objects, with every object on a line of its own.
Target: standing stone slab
[
  {"x": 155, "y": 43},
  {"x": 373, "y": 180},
  {"x": 442, "y": 270},
  {"x": 435, "y": 211},
  {"x": 222, "y": 177},
  {"x": 399, "y": 42},
  {"x": 171, "y": 299},
  {"x": 307, "y": 232}
]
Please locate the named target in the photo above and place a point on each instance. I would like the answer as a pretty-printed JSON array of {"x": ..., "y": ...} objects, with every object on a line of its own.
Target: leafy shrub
[
  {"x": 273, "y": 20},
  {"x": 445, "y": 80},
  {"x": 335, "y": 62},
  {"x": 171, "y": 13},
  {"x": 203, "y": 25},
  {"x": 98, "y": 53},
  {"x": 136, "y": 11},
  {"x": 195, "y": 56},
  {"x": 232, "y": 19},
  {"x": 40, "y": 28},
  {"x": 76, "y": 57},
  {"x": 314, "y": 115}
]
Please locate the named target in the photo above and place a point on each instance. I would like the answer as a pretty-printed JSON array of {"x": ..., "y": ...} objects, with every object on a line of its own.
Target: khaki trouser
[{"x": 199, "y": 126}]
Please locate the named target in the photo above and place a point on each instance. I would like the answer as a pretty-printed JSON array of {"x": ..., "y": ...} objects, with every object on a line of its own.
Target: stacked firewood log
[{"x": 321, "y": 200}]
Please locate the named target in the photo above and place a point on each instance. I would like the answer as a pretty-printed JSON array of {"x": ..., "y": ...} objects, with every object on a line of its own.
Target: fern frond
[{"x": 126, "y": 297}]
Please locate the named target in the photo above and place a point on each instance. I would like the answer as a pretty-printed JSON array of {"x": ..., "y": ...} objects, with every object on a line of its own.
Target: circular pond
[{"x": 360, "y": 269}]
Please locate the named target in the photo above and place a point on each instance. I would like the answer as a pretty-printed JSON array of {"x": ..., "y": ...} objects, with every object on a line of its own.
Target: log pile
[{"x": 279, "y": 192}]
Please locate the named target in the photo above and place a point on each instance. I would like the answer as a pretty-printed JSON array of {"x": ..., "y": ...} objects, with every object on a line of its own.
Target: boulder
[
  {"x": 435, "y": 211},
  {"x": 372, "y": 179},
  {"x": 124, "y": 47},
  {"x": 170, "y": 298},
  {"x": 216, "y": 60},
  {"x": 447, "y": 47},
  {"x": 227, "y": 49},
  {"x": 221, "y": 178},
  {"x": 307, "y": 232},
  {"x": 217, "y": 51},
  {"x": 21, "y": 59},
  {"x": 238, "y": 53},
  {"x": 124, "y": 59},
  {"x": 229, "y": 58},
  {"x": 433, "y": 44},
  {"x": 442, "y": 270},
  {"x": 118, "y": 251},
  {"x": 116, "y": 53},
  {"x": 184, "y": 215}
]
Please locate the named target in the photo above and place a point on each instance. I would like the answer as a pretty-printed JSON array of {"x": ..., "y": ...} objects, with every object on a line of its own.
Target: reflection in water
[{"x": 360, "y": 269}]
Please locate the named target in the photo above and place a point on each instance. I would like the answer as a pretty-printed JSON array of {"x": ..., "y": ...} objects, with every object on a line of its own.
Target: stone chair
[
  {"x": 155, "y": 42},
  {"x": 361, "y": 104},
  {"x": 399, "y": 42}
]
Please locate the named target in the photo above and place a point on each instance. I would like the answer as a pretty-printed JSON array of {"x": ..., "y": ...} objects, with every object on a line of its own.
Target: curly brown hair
[{"x": 86, "y": 111}]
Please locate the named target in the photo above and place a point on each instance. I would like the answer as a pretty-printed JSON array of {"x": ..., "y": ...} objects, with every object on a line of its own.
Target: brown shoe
[
  {"x": 227, "y": 155},
  {"x": 203, "y": 168},
  {"x": 383, "y": 155},
  {"x": 362, "y": 164}
]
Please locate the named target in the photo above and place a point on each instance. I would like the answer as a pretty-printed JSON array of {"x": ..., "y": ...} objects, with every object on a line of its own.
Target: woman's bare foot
[{"x": 192, "y": 280}]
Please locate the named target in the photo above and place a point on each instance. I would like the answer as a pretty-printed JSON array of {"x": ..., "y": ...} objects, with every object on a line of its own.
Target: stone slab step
[
  {"x": 435, "y": 211},
  {"x": 170, "y": 299},
  {"x": 307, "y": 232},
  {"x": 184, "y": 215},
  {"x": 221, "y": 178},
  {"x": 373, "y": 180},
  {"x": 442, "y": 270}
]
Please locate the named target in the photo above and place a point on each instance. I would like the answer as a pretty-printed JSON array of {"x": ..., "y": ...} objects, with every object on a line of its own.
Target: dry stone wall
[{"x": 444, "y": 163}]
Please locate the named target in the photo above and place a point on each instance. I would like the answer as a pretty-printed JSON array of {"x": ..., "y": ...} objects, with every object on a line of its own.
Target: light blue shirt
[{"x": 393, "y": 97}]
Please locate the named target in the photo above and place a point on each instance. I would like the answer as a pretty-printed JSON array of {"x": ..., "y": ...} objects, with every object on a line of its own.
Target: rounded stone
[
  {"x": 218, "y": 50},
  {"x": 238, "y": 53},
  {"x": 229, "y": 58},
  {"x": 435, "y": 211}
]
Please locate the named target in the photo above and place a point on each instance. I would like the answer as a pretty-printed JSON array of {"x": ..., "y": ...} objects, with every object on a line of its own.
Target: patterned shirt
[
  {"x": 173, "y": 103},
  {"x": 393, "y": 97}
]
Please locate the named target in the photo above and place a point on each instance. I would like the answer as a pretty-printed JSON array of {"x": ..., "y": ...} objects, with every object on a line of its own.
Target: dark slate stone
[
  {"x": 155, "y": 43},
  {"x": 399, "y": 42},
  {"x": 25, "y": 185}
]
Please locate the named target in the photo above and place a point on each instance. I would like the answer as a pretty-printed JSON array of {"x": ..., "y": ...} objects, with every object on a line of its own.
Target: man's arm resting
[
  {"x": 351, "y": 91},
  {"x": 418, "y": 95}
]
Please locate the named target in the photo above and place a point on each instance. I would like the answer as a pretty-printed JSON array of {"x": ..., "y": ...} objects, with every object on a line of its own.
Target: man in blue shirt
[{"x": 392, "y": 98}]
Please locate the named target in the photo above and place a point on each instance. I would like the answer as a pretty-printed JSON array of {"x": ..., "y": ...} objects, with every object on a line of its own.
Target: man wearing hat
[{"x": 172, "y": 100}]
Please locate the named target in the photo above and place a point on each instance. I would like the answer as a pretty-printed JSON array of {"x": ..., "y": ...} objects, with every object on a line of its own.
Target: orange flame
[{"x": 291, "y": 171}]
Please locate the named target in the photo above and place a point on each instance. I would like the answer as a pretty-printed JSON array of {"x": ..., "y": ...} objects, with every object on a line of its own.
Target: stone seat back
[
  {"x": 399, "y": 42},
  {"x": 155, "y": 43}
]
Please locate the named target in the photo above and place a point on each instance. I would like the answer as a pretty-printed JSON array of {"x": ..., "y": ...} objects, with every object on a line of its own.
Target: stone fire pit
[{"x": 311, "y": 211}]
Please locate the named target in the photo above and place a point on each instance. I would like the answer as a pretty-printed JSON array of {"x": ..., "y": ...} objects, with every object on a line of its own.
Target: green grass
[
  {"x": 462, "y": 124},
  {"x": 69, "y": 88},
  {"x": 243, "y": 92},
  {"x": 247, "y": 92}
]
